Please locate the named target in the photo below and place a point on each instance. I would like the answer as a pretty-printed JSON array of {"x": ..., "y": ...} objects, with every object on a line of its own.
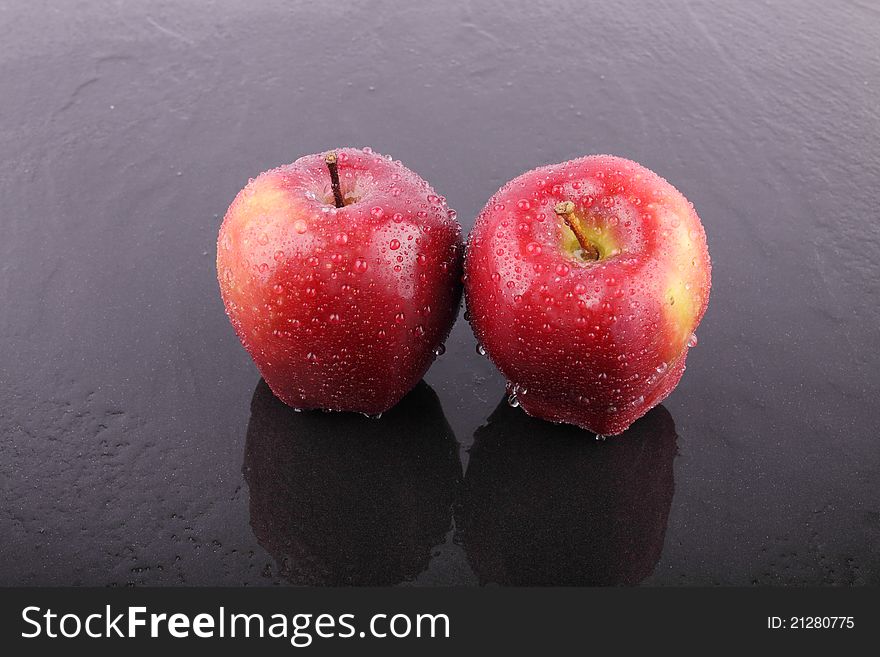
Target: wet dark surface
[{"x": 134, "y": 433}]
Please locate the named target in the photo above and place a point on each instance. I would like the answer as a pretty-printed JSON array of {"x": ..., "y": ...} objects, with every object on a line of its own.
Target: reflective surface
[{"x": 133, "y": 446}]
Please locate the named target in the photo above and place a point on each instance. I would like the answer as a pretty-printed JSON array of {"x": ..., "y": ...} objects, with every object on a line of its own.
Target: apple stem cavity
[
  {"x": 565, "y": 209},
  {"x": 330, "y": 159}
]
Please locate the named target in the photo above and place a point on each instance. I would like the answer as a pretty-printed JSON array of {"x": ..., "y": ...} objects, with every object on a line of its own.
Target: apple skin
[
  {"x": 345, "y": 308},
  {"x": 594, "y": 343}
]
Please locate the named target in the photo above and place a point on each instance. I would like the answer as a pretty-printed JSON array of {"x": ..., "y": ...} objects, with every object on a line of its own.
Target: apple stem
[
  {"x": 330, "y": 159},
  {"x": 565, "y": 209}
]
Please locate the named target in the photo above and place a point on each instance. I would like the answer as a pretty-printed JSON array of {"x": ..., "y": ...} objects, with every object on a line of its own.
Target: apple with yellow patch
[{"x": 585, "y": 282}]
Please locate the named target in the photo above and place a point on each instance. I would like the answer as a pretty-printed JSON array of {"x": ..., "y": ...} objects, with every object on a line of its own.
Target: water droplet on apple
[
  {"x": 661, "y": 368},
  {"x": 562, "y": 269},
  {"x": 360, "y": 265},
  {"x": 481, "y": 350},
  {"x": 376, "y": 212},
  {"x": 523, "y": 204},
  {"x": 263, "y": 238},
  {"x": 440, "y": 349},
  {"x": 513, "y": 400},
  {"x": 601, "y": 438},
  {"x": 300, "y": 226},
  {"x": 394, "y": 245},
  {"x": 692, "y": 341},
  {"x": 341, "y": 239},
  {"x": 533, "y": 248}
]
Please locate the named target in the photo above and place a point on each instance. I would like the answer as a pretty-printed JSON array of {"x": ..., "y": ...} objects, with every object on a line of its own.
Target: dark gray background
[{"x": 127, "y": 128}]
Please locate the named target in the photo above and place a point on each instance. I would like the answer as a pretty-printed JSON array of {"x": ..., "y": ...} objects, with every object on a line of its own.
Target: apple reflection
[
  {"x": 546, "y": 505},
  {"x": 339, "y": 499}
]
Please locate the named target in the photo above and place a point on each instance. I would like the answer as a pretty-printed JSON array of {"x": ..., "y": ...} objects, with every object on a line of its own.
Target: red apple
[
  {"x": 341, "y": 275},
  {"x": 584, "y": 283}
]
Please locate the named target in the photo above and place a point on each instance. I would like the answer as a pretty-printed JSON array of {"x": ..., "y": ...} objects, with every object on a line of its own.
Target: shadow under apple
[
  {"x": 339, "y": 499},
  {"x": 546, "y": 505}
]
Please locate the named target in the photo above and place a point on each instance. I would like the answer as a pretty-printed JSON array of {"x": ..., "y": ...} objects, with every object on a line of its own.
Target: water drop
[
  {"x": 394, "y": 245},
  {"x": 300, "y": 226},
  {"x": 692, "y": 341},
  {"x": 481, "y": 350},
  {"x": 440, "y": 349},
  {"x": 513, "y": 400},
  {"x": 360, "y": 265}
]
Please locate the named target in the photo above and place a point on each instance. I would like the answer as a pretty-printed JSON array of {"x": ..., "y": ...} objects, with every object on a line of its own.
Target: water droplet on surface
[
  {"x": 263, "y": 239},
  {"x": 523, "y": 204},
  {"x": 513, "y": 400},
  {"x": 394, "y": 245},
  {"x": 481, "y": 350},
  {"x": 440, "y": 349},
  {"x": 692, "y": 341},
  {"x": 341, "y": 239},
  {"x": 300, "y": 226},
  {"x": 360, "y": 265},
  {"x": 662, "y": 367},
  {"x": 376, "y": 212},
  {"x": 601, "y": 438}
]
